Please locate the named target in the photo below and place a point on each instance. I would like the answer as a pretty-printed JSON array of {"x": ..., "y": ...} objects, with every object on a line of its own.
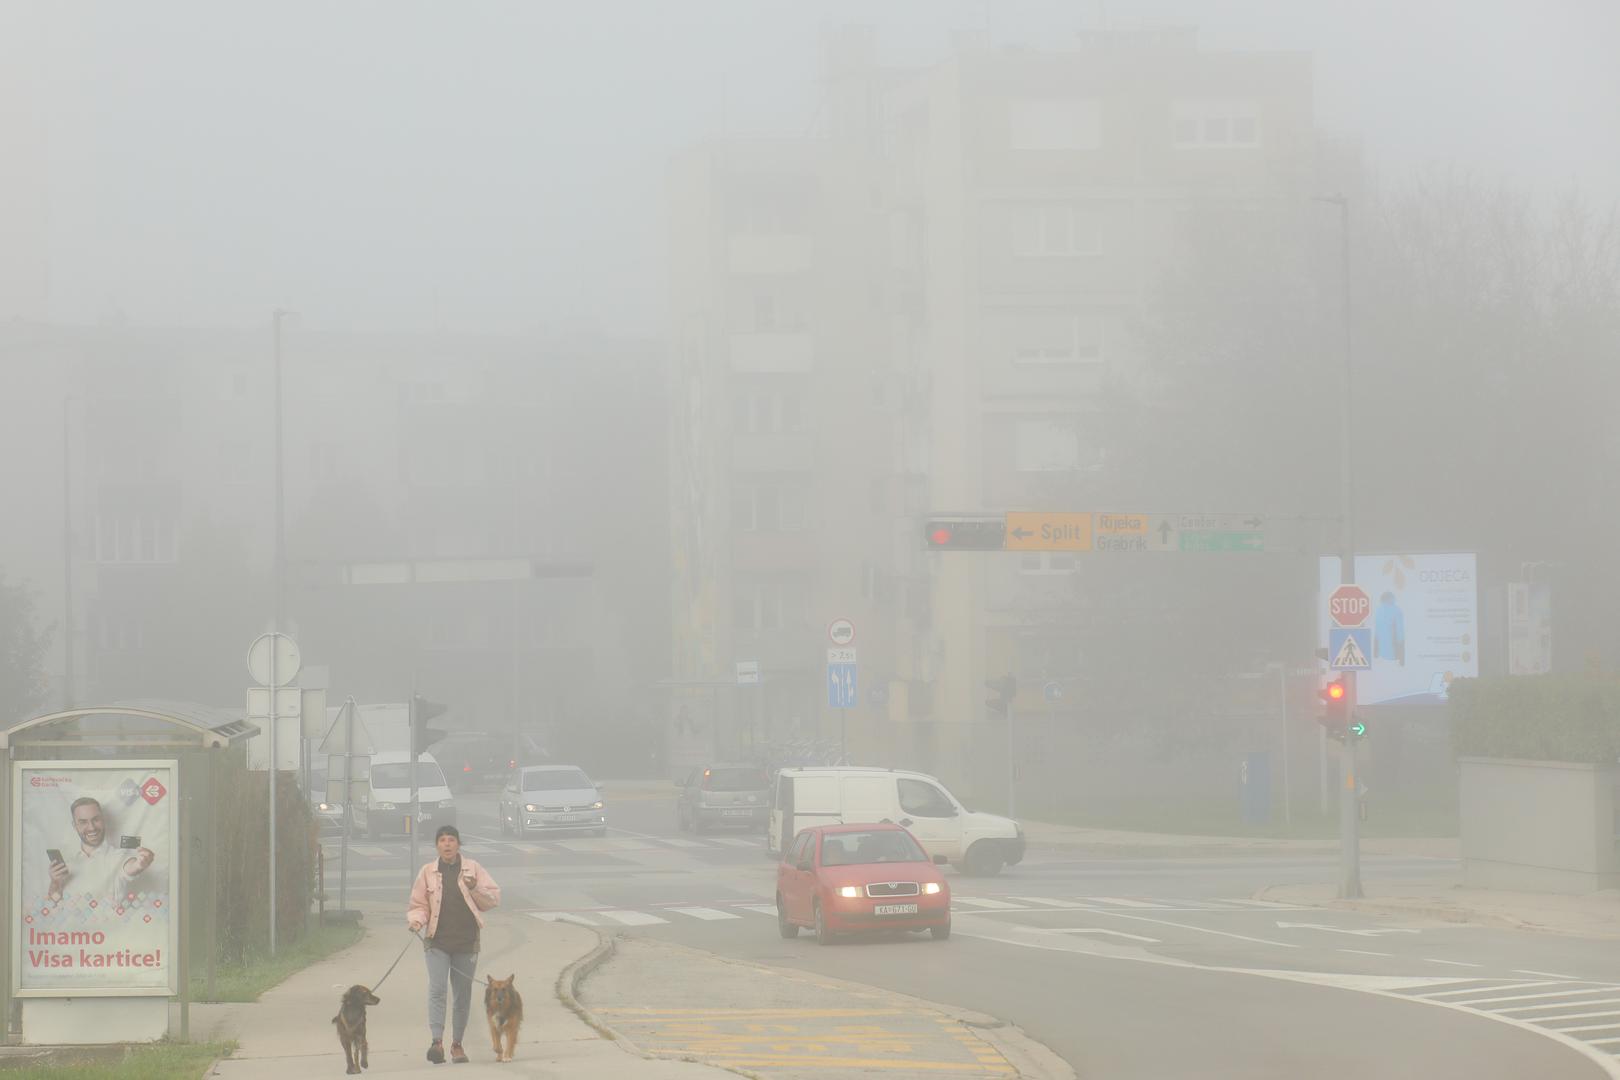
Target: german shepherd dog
[
  {"x": 504, "y": 1007},
  {"x": 351, "y": 1026}
]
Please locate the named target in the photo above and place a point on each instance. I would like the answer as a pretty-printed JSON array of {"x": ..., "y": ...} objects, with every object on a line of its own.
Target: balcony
[
  {"x": 773, "y": 352},
  {"x": 770, "y": 253}
]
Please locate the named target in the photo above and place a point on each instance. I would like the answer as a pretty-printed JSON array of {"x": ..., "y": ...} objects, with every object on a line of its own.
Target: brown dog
[
  {"x": 351, "y": 1026},
  {"x": 504, "y": 1007}
]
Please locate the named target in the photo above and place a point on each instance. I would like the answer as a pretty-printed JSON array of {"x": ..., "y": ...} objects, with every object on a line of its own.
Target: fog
[{"x": 986, "y": 390}]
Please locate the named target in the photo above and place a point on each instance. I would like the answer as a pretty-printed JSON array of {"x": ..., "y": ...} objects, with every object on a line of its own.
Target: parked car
[
  {"x": 551, "y": 798},
  {"x": 973, "y": 842},
  {"x": 723, "y": 794},
  {"x": 474, "y": 760},
  {"x": 387, "y": 806},
  {"x": 328, "y": 815},
  {"x": 851, "y": 879}
]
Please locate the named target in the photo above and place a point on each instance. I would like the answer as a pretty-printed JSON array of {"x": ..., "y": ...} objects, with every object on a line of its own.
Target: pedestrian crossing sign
[{"x": 1349, "y": 648}]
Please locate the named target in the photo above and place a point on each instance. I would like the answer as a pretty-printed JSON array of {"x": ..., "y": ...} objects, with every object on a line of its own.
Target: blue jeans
[{"x": 458, "y": 969}]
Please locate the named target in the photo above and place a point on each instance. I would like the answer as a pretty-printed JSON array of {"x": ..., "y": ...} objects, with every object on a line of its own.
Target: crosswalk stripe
[
  {"x": 1244, "y": 901},
  {"x": 1121, "y": 901},
  {"x": 708, "y": 913},
  {"x": 677, "y": 841},
  {"x": 369, "y": 852},
  {"x": 563, "y": 916},
  {"x": 1047, "y": 900},
  {"x": 763, "y": 909},
  {"x": 979, "y": 901},
  {"x": 735, "y": 841},
  {"x": 633, "y": 918}
]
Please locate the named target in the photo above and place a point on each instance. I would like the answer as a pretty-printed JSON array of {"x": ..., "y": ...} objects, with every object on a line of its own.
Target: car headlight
[
  {"x": 850, "y": 891},
  {"x": 386, "y": 806},
  {"x": 598, "y": 804},
  {"x": 325, "y": 807},
  {"x": 931, "y": 887},
  {"x": 753, "y": 799},
  {"x": 531, "y": 807}
]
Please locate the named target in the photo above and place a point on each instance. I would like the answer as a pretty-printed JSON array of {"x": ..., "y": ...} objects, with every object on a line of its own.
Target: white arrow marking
[{"x": 1371, "y": 932}]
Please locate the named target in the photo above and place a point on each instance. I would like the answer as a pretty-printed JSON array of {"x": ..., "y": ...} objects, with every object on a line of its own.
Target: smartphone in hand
[{"x": 56, "y": 856}]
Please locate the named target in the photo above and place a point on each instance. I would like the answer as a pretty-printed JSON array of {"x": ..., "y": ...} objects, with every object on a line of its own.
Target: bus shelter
[{"x": 109, "y": 860}]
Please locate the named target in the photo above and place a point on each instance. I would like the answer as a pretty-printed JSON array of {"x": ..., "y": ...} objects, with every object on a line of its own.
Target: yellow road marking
[{"x": 763, "y": 1014}]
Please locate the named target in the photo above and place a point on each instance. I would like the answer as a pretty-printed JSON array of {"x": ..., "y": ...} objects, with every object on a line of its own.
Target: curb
[
  {"x": 1439, "y": 911},
  {"x": 1030, "y": 1058}
]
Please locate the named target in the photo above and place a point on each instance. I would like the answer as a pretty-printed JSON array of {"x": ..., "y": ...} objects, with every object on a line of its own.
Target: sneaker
[
  {"x": 436, "y": 1052},
  {"x": 457, "y": 1054}
]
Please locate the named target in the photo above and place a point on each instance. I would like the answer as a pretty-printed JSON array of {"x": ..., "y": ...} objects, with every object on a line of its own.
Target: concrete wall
[{"x": 1538, "y": 826}]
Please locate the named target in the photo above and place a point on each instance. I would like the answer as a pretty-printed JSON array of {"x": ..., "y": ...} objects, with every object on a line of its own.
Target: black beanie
[{"x": 447, "y": 830}]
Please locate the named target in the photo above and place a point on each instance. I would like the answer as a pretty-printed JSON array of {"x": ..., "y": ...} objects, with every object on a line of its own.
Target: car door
[
  {"x": 689, "y": 792},
  {"x": 509, "y": 797},
  {"x": 931, "y": 815},
  {"x": 801, "y": 877}
]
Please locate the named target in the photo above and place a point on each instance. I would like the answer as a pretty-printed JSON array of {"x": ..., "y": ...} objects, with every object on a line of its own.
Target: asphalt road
[{"x": 1130, "y": 968}]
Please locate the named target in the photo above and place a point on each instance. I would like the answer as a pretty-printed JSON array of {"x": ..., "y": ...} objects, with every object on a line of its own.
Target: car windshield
[
  {"x": 556, "y": 780},
  {"x": 878, "y": 846},
  {"x": 398, "y": 775},
  {"x": 735, "y": 780}
]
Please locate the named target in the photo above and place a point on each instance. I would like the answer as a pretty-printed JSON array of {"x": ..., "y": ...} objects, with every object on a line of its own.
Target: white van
[
  {"x": 387, "y": 804},
  {"x": 975, "y": 843}
]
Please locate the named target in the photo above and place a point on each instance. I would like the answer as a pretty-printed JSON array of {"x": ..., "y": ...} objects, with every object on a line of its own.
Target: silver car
[{"x": 551, "y": 798}]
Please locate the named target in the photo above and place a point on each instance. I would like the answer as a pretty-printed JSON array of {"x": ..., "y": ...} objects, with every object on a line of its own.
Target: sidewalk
[
  {"x": 1123, "y": 843},
  {"x": 1589, "y": 915},
  {"x": 288, "y": 1031}
]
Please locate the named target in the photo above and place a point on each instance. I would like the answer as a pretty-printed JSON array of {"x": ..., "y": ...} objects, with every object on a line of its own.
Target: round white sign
[
  {"x": 841, "y": 632},
  {"x": 287, "y": 659}
]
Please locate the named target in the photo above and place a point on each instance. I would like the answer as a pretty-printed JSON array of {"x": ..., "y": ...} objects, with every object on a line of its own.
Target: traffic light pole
[
  {"x": 1349, "y": 817},
  {"x": 412, "y": 821}
]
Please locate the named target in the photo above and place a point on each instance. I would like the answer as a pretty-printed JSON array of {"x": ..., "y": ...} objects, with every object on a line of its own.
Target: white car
[
  {"x": 551, "y": 798},
  {"x": 386, "y": 807}
]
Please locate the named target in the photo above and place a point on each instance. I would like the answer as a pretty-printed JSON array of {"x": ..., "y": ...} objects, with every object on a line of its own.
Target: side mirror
[{"x": 940, "y": 860}]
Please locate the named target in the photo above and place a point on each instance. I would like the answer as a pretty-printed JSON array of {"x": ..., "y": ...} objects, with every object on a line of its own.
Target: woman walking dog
[{"x": 448, "y": 900}]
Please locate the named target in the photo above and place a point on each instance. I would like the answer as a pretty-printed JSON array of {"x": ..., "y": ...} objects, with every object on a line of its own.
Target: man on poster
[{"x": 93, "y": 865}]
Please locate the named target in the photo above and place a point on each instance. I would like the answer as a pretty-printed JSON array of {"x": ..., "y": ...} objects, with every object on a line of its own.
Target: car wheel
[
  {"x": 783, "y": 926},
  {"x": 941, "y": 932},
  {"x": 824, "y": 936},
  {"x": 983, "y": 860}
]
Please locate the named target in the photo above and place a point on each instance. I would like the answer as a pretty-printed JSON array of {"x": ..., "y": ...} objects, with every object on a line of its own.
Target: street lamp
[{"x": 1349, "y": 831}]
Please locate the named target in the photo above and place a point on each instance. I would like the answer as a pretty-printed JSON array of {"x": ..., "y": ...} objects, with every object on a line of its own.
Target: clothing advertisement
[
  {"x": 1424, "y": 623},
  {"x": 95, "y": 843}
]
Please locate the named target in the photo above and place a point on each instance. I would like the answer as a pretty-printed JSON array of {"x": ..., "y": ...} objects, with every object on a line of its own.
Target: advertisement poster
[
  {"x": 95, "y": 843},
  {"x": 1424, "y": 623}
]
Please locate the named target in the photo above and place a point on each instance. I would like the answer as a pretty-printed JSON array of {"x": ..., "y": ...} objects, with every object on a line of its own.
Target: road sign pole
[{"x": 1012, "y": 761}]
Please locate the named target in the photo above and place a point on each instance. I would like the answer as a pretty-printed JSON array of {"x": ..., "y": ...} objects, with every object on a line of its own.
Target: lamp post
[{"x": 1349, "y": 817}]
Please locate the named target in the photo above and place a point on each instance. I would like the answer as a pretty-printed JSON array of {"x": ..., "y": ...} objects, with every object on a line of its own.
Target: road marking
[
  {"x": 678, "y": 841},
  {"x": 980, "y": 902},
  {"x": 563, "y": 916},
  {"x": 1557, "y": 1017},
  {"x": 1492, "y": 989},
  {"x": 632, "y": 918},
  {"x": 1545, "y": 974},
  {"x": 1372, "y": 931},
  {"x": 708, "y": 913},
  {"x": 735, "y": 841},
  {"x": 1121, "y": 902},
  {"x": 1261, "y": 903},
  {"x": 1560, "y": 1016},
  {"x": 1535, "y": 997},
  {"x": 1047, "y": 900},
  {"x": 763, "y": 909},
  {"x": 1364, "y": 952},
  {"x": 370, "y": 852},
  {"x": 1594, "y": 1027},
  {"x": 1199, "y": 929},
  {"x": 1112, "y": 933}
]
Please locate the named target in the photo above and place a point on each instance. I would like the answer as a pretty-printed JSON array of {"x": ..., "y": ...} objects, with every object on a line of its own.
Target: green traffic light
[{"x": 1358, "y": 729}]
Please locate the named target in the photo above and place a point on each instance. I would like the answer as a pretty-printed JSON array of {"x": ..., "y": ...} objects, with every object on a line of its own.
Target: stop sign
[{"x": 1349, "y": 605}]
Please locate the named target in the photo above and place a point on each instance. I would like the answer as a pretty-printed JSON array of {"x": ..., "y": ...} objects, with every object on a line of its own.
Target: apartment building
[{"x": 948, "y": 282}]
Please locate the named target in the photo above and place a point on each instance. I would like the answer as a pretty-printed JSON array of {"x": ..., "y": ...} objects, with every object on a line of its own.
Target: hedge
[{"x": 1538, "y": 718}]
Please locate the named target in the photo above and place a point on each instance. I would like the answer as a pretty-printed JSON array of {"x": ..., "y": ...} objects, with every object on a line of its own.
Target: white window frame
[
  {"x": 1024, "y": 455},
  {"x": 1210, "y": 123},
  {"x": 1045, "y": 563},
  {"x": 1078, "y": 351},
  {"x": 1060, "y": 230}
]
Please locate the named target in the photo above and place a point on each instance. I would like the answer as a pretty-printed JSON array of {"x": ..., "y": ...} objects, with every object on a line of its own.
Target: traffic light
[
  {"x": 1005, "y": 688},
  {"x": 423, "y": 710},
  {"x": 1335, "y": 716},
  {"x": 965, "y": 534}
]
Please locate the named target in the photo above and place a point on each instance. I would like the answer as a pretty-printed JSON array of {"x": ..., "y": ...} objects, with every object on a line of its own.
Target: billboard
[
  {"x": 1424, "y": 623},
  {"x": 95, "y": 846}
]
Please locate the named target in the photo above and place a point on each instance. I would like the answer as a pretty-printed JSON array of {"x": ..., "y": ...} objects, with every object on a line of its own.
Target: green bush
[
  {"x": 1537, "y": 718},
  {"x": 242, "y": 902}
]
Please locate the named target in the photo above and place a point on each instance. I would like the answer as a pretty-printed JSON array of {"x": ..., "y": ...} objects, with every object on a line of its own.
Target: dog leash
[
  {"x": 392, "y": 966},
  {"x": 418, "y": 935}
]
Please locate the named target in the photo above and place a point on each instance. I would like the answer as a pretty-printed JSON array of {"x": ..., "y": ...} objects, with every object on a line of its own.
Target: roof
[
  {"x": 858, "y": 826},
  {"x": 208, "y": 724}
]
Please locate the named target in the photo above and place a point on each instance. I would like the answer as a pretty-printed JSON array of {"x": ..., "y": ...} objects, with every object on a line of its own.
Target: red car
[{"x": 848, "y": 879}]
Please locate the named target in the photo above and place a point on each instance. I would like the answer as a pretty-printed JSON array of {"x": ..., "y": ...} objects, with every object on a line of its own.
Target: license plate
[
  {"x": 895, "y": 909},
  {"x": 569, "y": 817}
]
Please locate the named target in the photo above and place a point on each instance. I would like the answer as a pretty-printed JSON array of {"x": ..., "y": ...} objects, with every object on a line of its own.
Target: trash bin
[{"x": 1255, "y": 778}]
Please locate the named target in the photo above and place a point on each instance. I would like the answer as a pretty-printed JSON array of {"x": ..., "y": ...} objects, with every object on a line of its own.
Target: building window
[
  {"x": 1054, "y": 124},
  {"x": 1043, "y": 445},
  {"x": 767, "y": 605},
  {"x": 323, "y": 458},
  {"x": 1058, "y": 338},
  {"x": 134, "y": 538},
  {"x": 760, "y": 412},
  {"x": 1046, "y": 562},
  {"x": 1218, "y": 123},
  {"x": 1055, "y": 231},
  {"x": 769, "y": 507}
]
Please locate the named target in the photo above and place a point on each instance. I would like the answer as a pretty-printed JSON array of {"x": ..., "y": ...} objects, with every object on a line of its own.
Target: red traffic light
[
  {"x": 940, "y": 537},
  {"x": 1335, "y": 691}
]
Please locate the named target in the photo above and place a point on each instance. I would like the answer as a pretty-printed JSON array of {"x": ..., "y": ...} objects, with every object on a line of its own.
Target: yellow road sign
[{"x": 1039, "y": 530}]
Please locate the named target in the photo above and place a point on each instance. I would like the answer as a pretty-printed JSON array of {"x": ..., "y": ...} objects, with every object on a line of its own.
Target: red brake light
[{"x": 466, "y": 768}]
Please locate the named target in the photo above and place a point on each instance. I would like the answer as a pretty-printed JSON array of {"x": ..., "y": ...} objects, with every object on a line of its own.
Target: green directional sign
[{"x": 1219, "y": 540}]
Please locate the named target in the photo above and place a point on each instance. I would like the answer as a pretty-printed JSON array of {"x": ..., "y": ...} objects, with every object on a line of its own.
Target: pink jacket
[{"x": 427, "y": 894}]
